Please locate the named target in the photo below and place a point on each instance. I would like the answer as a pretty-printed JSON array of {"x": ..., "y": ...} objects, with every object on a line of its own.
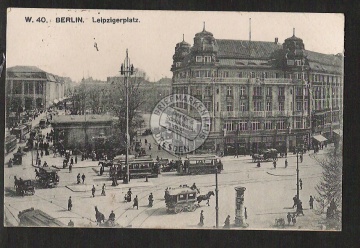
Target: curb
[{"x": 288, "y": 175}]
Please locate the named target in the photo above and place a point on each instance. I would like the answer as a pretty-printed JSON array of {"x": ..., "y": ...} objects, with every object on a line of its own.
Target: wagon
[
  {"x": 180, "y": 199},
  {"x": 47, "y": 177},
  {"x": 24, "y": 187}
]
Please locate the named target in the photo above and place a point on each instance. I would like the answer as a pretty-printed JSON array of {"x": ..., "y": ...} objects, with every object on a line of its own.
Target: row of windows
[
  {"x": 254, "y": 125},
  {"x": 252, "y": 74},
  {"x": 17, "y": 87}
]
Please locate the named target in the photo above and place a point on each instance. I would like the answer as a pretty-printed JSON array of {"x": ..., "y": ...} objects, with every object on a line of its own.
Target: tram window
[
  {"x": 191, "y": 196},
  {"x": 182, "y": 197}
]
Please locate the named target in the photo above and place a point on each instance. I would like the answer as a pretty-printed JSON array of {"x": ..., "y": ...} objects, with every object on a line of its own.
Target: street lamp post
[
  {"x": 297, "y": 174},
  {"x": 217, "y": 197},
  {"x": 127, "y": 70}
]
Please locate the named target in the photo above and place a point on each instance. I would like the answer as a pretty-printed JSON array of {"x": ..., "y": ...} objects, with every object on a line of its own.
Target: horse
[
  {"x": 201, "y": 198},
  {"x": 100, "y": 217}
]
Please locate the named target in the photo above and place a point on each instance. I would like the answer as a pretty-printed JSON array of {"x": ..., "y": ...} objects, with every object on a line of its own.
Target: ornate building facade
[
  {"x": 260, "y": 94},
  {"x": 29, "y": 87}
]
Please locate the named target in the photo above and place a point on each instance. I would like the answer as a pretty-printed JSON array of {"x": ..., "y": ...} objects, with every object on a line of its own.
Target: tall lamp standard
[
  {"x": 216, "y": 196},
  {"x": 297, "y": 150},
  {"x": 127, "y": 70}
]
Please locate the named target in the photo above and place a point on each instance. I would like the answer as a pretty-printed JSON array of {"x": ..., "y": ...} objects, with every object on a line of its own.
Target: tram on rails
[
  {"x": 200, "y": 164},
  {"x": 138, "y": 168}
]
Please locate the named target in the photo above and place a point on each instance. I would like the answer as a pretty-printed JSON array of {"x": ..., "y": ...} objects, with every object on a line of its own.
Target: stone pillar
[{"x": 239, "y": 207}]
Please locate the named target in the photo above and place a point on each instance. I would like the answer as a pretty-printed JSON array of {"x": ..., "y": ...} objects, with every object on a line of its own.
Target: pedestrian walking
[
  {"x": 295, "y": 201},
  {"x": 145, "y": 141},
  {"x": 78, "y": 178},
  {"x": 41, "y": 153},
  {"x": 136, "y": 202},
  {"x": 300, "y": 181},
  {"x": 149, "y": 147},
  {"x": 69, "y": 204},
  {"x": 286, "y": 163},
  {"x": 93, "y": 191},
  {"x": 70, "y": 168},
  {"x": 201, "y": 223},
  {"x": 288, "y": 216},
  {"x": 227, "y": 222},
  {"x": 72, "y": 160},
  {"x": 103, "y": 190},
  {"x": 129, "y": 193},
  {"x": 293, "y": 219},
  {"x": 311, "y": 202},
  {"x": 76, "y": 159},
  {"x": 83, "y": 178},
  {"x": 301, "y": 158},
  {"x": 299, "y": 209},
  {"x": 258, "y": 165},
  {"x": 245, "y": 213},
  {"x": 151, "y": 198},
  {"x": 274, "y": 163}
]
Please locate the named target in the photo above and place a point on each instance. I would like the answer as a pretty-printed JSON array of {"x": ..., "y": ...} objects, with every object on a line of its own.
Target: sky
[{"x": 67, "y": 49}]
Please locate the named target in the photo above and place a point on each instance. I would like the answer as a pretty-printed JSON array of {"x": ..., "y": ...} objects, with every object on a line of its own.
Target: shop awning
[
  {"x": 338, "y": 132},
  {"x": 56, "y": 101},
  {"x": 320, "y": 138}
]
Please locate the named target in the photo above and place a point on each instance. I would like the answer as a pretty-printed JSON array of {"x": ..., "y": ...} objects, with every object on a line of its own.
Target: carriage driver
[{"x": 194, "y": 187}]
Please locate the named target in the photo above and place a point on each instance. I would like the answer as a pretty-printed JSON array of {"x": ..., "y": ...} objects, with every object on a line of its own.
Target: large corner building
[{"x": 261, "y": 94}]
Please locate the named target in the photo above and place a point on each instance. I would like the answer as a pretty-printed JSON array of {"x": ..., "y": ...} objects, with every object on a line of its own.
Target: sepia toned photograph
[{"x": 173, "y": 119}]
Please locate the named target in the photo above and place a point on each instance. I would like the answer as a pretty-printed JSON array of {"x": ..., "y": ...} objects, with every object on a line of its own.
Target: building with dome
[{"x": 260, "y": 94}]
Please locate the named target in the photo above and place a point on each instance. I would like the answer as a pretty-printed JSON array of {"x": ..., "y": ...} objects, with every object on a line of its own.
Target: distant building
[
  {"x": 28, "y": 87},
  {"x": 77, "y": 131},
  {"x": 260, "y": 94}
]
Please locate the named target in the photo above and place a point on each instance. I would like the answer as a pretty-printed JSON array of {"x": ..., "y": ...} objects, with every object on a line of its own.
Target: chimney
[{"x": 276, "y": 40}]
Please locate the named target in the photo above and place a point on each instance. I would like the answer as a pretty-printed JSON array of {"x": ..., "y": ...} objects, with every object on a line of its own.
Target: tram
[
  {"x": 138, "y": 168},
  {"x": 200, "y": 164},
  {"x": 10, "y": 143}
]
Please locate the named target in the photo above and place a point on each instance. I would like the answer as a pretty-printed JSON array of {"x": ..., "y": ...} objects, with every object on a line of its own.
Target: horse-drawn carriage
[
  {"x": 23, "y": 187},
  {"x": 180, "y": 199},
  {"x": 47, "y": 177},
  {"x": 266, "y": 155}
]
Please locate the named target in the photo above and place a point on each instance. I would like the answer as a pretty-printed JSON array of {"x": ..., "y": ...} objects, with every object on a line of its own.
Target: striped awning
[{"x": 320, "y": 138}]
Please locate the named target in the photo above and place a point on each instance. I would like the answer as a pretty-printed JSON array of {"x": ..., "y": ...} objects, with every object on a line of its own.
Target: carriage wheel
[
  {"x": 192, "y": 208},
  {"x": 178, "y": 209}
]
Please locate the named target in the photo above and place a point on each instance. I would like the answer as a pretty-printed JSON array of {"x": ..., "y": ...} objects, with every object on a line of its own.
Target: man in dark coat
[
  {"x": 300, "y": 181},
  {"x": 69, "y": 204},
  {"x": 227, "y": 222},
  {"x": 93, "y": 191},
  {"x": 83, "y": 178},
  {"x": 311, "y": 202},
  {"x": 289, "y": 218},
  {"x": 136, "y": 202}
]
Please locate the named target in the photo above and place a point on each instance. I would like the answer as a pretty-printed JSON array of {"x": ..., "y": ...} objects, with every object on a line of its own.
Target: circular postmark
[{"x": 180, "y": 123}]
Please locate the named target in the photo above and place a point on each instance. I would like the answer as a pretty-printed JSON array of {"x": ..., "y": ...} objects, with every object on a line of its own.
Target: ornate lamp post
[{"x": 127, "y": 70}]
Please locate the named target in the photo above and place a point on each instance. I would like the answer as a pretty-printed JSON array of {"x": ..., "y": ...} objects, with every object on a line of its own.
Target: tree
[
  {"x": 117, "y": 103},
  {"x": 330, "y": 187}
]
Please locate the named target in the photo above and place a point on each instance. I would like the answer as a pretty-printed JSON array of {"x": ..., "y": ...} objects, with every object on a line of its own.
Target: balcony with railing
[
  {"x": 257, "y": 97},
  {"x": 234, "y": 114}
]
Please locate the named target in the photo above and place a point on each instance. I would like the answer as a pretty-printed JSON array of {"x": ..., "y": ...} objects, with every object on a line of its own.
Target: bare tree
[{"x": 329, "y": 188}]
